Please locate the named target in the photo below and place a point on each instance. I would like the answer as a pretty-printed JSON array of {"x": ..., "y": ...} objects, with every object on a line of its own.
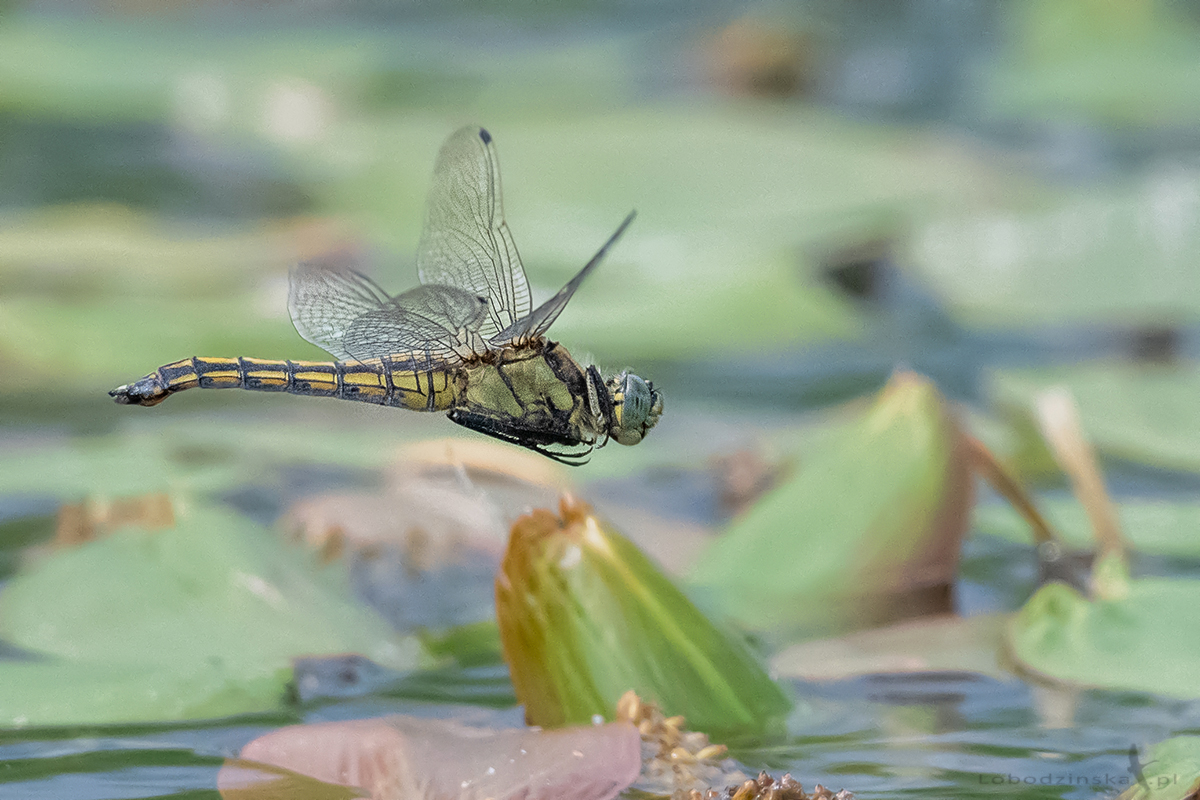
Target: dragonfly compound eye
[{"x": 636, "y": 408}]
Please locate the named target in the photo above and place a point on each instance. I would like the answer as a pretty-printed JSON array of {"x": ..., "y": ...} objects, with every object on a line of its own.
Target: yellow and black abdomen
[{"x": 380, "y": 381}]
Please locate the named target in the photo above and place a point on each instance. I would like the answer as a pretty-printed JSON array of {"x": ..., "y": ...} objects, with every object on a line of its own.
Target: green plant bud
[{"x": 585, "y": 616}]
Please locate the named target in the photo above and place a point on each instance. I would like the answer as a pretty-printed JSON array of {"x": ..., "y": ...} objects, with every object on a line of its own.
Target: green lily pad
[
  {"x": 105, "y": 251},
  {"x": 1141, "y": 413},
  {"x": 82, "y": 345},
  {"x": 878, "y": 508},
  {"x": 1127, "y": 64},
  {"x": 197, "y": 454},
  {"x": 1169, "y": 771},
  {"x": 1119, "y": 255},
  {"x": 1159, "y": 527},
  {"x": 1140, "y": 635},
  {"x": 215, "y": 605},
  {"x": 62, "y": 692},
  {"x": 766, "y": 193}
]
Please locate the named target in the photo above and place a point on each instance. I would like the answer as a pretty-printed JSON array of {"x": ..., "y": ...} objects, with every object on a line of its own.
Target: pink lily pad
[{"x": 421, "y": 759}]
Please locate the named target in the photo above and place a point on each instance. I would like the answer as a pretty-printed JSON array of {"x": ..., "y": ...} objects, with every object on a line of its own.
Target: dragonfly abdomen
[{"x": 377, "y": 381}]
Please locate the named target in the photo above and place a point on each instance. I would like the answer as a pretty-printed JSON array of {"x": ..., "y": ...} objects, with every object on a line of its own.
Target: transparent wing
[
  {"x": 465, "y": 242},
  {"x": 541, "y": 318},
  {"x": 351, "y": 317}
]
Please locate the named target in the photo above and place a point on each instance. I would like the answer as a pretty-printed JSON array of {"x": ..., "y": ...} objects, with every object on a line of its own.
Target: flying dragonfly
[{"x": 467, "y": 341}]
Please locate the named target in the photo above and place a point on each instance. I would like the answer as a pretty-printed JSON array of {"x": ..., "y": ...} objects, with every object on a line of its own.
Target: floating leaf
[
  {"x": 1170, "y": 771},
  {"x": 1155, "y": 526},
  {"x": 585, "y": 616},
  {"x": 1140, "y": 635},
  {"x": 1145, "y": 413},
  {"x": 67, "y": 692},
  {"x": 1125, "y": 64},
  {"x": 213, "y": 606},
  {"x": 875, "y": 511},
  {"x": 415, "y": 759}
]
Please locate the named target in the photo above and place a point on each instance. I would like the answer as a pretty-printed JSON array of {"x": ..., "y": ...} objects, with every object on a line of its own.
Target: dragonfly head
[{"x": 636, "y": 407}]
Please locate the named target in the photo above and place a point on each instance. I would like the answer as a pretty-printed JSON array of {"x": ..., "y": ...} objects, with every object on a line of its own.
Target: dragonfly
[{"x": 466, "y": 341}]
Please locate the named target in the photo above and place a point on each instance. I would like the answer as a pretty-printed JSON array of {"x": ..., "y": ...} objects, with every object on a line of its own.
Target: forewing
[
  {"x": 351, "y": 317},
  {"x": 465, "y": 242},
  {"x": 541, "y": 318}
]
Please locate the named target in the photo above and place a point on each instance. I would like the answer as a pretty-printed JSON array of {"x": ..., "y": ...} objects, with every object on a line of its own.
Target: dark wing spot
[{"x": 483, "y": 134}]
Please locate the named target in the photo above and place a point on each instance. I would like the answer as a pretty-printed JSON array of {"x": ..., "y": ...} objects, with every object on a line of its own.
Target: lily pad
[
  {"x": 1142, "y": 413},
  {"x": 406, "y": 757},
  {"x": 1169, "y": 771},
  {"x": 1140, "y": 635},
  {"x": 1123, "y": 254},
  {"x": 82, "y": 345},
  {"x": 1164, "y": 527},
  {"x": 162, "y": 451},
  {"x": 876, "y": 510},
  {"x": 1126, "y": 64},
  {"x": 215, "y": 603},
  {"x": 65, "y": 692},
  {"x": 105, "y": 251}
]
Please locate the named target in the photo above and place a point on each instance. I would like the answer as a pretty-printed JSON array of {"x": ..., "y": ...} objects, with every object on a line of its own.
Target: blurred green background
[{"x": 999, "y": 194}]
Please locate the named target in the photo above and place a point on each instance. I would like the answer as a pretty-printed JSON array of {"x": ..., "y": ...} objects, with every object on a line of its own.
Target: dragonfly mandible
[{"x": 467, "y": 341}]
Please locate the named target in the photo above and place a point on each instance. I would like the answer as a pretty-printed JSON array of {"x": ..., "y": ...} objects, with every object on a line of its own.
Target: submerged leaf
[
  {"x": 585, "y": 616},
  {"x": 405, "y": 758},
  {"x": 875, "y": 514}
]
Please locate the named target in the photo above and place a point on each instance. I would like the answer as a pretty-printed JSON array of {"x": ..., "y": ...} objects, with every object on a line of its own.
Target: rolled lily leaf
[
  {"x": 870, "y": 524},
  {"x": 585, "y": 616}
]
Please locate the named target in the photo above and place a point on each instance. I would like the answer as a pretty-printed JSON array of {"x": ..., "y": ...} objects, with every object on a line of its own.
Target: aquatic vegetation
[{"x": 585, "y": 617}]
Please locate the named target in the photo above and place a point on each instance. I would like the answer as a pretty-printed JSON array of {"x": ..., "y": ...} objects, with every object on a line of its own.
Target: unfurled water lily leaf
[
  {"x": 215, "y": 601},
  {"x": 422, "y": 759},
  {"x": 1140, "y": 635},
  {"x": 876, "y": 511},
  {"x": 1170, "y": 770},
  {"x": 585, "y": 617}
]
